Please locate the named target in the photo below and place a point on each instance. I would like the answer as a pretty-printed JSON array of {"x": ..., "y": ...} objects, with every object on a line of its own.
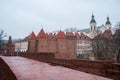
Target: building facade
[
  {"x": 22, "y": 45},
  {"x": 84, "y": 47}
]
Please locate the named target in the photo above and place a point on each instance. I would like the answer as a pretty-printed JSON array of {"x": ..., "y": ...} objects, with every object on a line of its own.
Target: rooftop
[
  {"x": 41, "y": 34},
  {"x": 32, "y": 36}
]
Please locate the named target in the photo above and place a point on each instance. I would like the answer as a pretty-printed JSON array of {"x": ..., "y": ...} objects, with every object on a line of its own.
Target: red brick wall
[
  {"x": 102, "y": 68},
  {"x": 71, "y": 49},
  {"x": 5, "y": 71},
  {"x": 31, "y": 46},
  {"x": 42, "y": 45},
  {"x": 52, "y": 47},
  {"x": 10, "y": 49},
  {"x": 66, "y": 49},
  {"x": 61, "y": 49}
]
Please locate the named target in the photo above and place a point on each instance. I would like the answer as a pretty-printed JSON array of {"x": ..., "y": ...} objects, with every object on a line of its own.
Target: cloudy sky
[{"x": 19, "y": 17}]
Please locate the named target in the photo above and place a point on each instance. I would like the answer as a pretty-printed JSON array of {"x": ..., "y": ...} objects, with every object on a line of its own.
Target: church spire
[
  {"x": 92, "y": 20},
  {"x": 92, "y": 24},
  {"x": 107, "y": 18},
  {"x": 108, "y": 22},
  {"x": 92, "y": 16}
]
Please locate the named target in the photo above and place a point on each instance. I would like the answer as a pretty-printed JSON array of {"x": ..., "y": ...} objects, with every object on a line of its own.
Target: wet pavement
[{"x": 28, "y": 69}]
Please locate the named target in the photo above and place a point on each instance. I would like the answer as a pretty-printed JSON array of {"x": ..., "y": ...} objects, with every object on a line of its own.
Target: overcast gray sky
[{"x": 19, "y": 17}]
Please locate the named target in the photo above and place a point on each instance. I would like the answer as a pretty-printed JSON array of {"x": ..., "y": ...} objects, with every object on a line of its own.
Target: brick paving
[{"x": 27, "y": 69}]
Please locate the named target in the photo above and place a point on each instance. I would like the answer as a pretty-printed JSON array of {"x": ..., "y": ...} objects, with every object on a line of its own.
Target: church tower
[
  {"x": 108, "y": 23},
  {"x": 92, "y": 24}
]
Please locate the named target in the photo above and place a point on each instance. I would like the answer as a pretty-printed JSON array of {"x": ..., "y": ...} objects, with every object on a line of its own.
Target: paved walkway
[{"x": 27, "y": 69}]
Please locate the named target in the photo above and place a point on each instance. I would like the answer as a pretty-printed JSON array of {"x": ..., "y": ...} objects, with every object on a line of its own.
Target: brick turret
[{"x": 10, "y": 48}]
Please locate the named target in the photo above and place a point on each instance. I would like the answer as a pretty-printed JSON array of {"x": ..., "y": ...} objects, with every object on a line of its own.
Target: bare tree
[
  {"x": 104, "y": 48},
  {"x": 2, "y": 35}
]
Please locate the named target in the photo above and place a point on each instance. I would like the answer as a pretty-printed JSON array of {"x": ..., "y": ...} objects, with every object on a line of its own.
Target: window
[{"x": 80, "y": 37}]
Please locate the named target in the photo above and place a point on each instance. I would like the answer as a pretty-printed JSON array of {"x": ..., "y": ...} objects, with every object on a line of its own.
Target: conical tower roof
[
  {"x": 41, "y": 34},
  {"x": 77, "y": 35},
  {"x": 60, "y": 35},
  {"x": 69, "y": 34},
  {"x": 32, "y": 36},
  {"x": 9, "y": 41},
  {"x": 47, "y": 36}
]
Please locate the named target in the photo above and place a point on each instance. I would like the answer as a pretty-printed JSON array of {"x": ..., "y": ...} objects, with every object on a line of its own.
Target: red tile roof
[
  {"x": 26, "y": 38},
  {"x": 32, "y": 36},
  {"x": 107, "y": 34},
  {"x": 41, "y": 34},
  {"x": 69, "y": 34},
  {"x": 77, "y": 35},
  {"x": 84, "y": 37},
  {"x": 47, "y": 36},
  {"x": 81, "y": 34},
  {"x": 60, "y": 35}
]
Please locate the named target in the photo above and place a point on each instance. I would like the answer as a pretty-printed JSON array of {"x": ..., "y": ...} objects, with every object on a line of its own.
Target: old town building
[
  {"x": 94, "y": 30},
  {"x": 22, "y": 45},
  {"x": 68, "y": 45},
  {"x": 63, "y": 45},
  {"x": 84, "y": 47}
]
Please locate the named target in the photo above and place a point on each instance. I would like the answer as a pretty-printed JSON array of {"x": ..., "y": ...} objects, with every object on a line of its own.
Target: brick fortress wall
[
  {"x": 108, "y": 69},
  {"x": 63, "y": 46},
  {"x": 5, "y": 71}
]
